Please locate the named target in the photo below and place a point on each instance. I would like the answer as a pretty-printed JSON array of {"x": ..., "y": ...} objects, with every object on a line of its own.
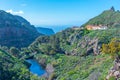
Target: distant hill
[
  {"x": 16, "y": 31},
  {"x": 56, "y": 28},
  {"x": 109, "y": 18},
  {"x": 45, "y": 31}
]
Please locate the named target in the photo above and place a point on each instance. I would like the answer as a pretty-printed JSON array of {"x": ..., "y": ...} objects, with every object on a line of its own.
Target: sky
[{"x": 58, "y": 12}]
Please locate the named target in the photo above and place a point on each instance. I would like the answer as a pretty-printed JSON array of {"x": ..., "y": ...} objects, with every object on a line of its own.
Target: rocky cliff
[
  {"x": 16, "y": 31},
  {"x": 114, "y": 72}
]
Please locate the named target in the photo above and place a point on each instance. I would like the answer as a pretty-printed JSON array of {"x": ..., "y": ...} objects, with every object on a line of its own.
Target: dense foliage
[
  {"x": 63, "y": 42},
  {"x": 73, "y": 42},
  {"x": 112, "y": 48},
  {"x": 77, "y": 68},
  {"x": 11, "y": 68}
]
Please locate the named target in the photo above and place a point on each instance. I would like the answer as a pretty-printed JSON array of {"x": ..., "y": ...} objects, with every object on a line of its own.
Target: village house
[{"x": 94, "y": 27}]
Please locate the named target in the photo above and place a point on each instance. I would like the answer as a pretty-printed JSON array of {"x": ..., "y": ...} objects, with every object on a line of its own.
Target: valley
[{"x": 77, "y": 53}]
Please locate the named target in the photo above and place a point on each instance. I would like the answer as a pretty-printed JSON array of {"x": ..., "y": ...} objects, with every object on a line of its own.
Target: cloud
[
  {"x": 23, "y": 5},
  {"x": 15, "y": 12}
]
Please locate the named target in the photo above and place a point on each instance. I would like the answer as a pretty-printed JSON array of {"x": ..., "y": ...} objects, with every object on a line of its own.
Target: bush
[
  {"x": 112, "y": 48},
  {"x": 112, "y": 78}
]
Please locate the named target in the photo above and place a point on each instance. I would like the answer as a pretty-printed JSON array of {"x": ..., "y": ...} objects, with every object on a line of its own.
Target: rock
[
  {"x": 116, "y": 73},
  {"x": 115, "y": 70},
  {"x": 49, "y": 69},
  {"x": 94, "y": 75},
  {"x": 73, "y": 38},
  {"x": 91, "y": 45}
]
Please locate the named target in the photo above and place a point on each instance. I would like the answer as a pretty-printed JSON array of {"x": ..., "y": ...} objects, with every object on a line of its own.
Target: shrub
[
  {"x": 112, "y": 48},
  {"x": 112, "y": 78}
]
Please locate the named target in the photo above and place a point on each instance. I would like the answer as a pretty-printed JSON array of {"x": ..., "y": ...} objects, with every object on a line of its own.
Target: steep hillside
[
  {"x": 16, "y": 31},
  {"x": 75, "y": 42},
  {"x": 11, "y": 68},
  {"x": 14, "y": 68},
  {"x": 71, "y": 53},
  {"x": 75, "y": 54},
  {"x": 45, "y": 31},
  {"x": 110, "y": 18}
]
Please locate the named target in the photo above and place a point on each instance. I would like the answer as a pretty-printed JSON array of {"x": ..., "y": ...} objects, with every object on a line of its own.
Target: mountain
[
  {"x": 110, "y": 18},
  {"x": 16, "y": 31},
  {"x": 72, "y": 54},
  {"x": 81, "y": 54},
  {"x": 45, "y": 31}
]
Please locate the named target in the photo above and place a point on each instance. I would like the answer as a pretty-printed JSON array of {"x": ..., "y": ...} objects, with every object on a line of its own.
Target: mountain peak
[
  {"x": 111, "y": 18},
  {"x": 112, "y": 8}
]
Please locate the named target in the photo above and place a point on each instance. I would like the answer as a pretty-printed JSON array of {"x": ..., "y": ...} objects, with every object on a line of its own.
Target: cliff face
[{"x": 16, "y": 31}]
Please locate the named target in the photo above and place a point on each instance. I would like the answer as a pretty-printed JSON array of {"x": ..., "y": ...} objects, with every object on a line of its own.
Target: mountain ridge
[{"x": 16, "y": 31}]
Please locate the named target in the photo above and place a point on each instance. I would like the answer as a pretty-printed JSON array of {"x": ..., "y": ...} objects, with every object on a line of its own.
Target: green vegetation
[
  {"x": 110, "y": 18},
  {"x": 63, "y": 42},
  {"x": 73, "y": 42},
  {"x": 112, "y": 78},
  {"x": 70, "y": 60},
  {"x": 112, "y": 48},
  {"x": 16, "y": 31},
  {"x": 75, "y": 67},
  {"x": 12, "y": 68},
  {"x": 73, "y": 53}
]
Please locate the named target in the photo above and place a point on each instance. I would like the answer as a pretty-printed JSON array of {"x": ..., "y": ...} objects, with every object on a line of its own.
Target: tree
[
  {"x": 112, "y": 8},
  {"x": 14, "y": 51}
]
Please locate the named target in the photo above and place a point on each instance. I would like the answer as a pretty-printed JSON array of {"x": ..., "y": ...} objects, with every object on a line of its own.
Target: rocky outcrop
[
  {"x": 90, "y": 45},
  {"x": 49, "y": 69},
  {"x": 94, "y": 75},
  {"x": 115, "y": 70},
  {"x": 49, "y": 75}
]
